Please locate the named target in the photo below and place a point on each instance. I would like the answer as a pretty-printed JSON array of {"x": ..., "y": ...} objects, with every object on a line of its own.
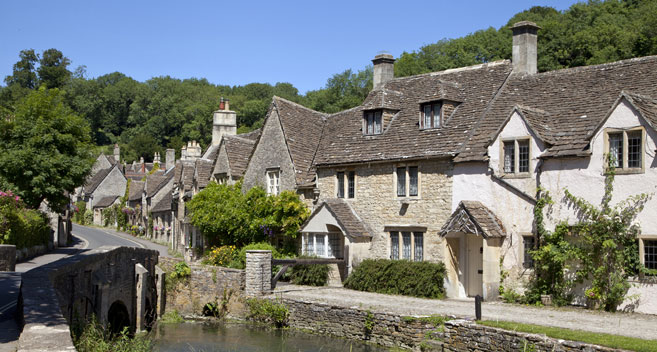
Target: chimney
[
  {"x": 224, "y": 122},
  {"x": 170, "y": 158},
  {"x": 143, "y": 166},
  {"x": 193, "y": 150},
  {"x": 117, "y": 152},
  {"x": 384, "y": 69},
  {"x": 156, "y": 158},
  {"x": 524, "y": 47},
  {"x": 183, "y": 153}
]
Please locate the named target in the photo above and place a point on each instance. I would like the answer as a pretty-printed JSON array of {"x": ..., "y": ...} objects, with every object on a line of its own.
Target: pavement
[
  {"x": 642, "y": 326},
  {"x": 84, "y": 238}
]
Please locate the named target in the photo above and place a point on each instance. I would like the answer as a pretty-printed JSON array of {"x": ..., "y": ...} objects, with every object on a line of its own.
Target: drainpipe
[{"x": 513, "y": 188}]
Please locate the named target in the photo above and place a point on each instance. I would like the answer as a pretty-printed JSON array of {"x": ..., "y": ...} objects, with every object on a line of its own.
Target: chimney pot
[
  {"x": 384, "y": 69},
  {"x": 525, "y": 47}
]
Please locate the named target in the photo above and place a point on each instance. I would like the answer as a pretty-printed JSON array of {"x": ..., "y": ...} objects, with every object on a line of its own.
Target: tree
[
  {"x": 24, "y": 74},
  {"x": 53, "y": 71},
  {"x": 44, "y": 150}
]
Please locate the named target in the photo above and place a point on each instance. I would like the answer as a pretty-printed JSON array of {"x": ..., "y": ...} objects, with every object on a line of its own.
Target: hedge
[
  {"x": 20, "y": 226},
  {"x": 310, "y": 275},
  {"x": 399, "y": 277}
]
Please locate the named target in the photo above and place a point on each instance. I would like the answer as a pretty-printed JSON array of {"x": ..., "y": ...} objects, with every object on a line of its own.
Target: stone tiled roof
[
  {"x": 540, "y": 122},
  {"x": 576, "y": 99},
  {"x": 136, "y": 189},
  {"x": 253, "y": 135},
  {"x": 302, "y": 128},
  {"x": 238, "y": 151},
  {"x": 473, "y": 217},
  {"x": 96, "y": 180},
  {"x": 473, "y": 87},
  {"x": 184, "y": 174},
  {"x": 154, "y": 183},
  {"x": 163, "y": 205},
  {"x": 203, "y": 172},
  {"x": 105, "y": 202},
  {"x": 346, "y": 216},
  {"x": 646, "y": 105}
]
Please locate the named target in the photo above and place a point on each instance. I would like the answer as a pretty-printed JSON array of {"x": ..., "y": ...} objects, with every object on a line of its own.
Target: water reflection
[{"x": 231, "y": 337}]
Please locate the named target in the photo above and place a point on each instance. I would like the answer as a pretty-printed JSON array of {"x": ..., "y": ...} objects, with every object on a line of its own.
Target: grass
[
  {"x": 608, "y": 340},
  {"x": 172, "y": 317}
]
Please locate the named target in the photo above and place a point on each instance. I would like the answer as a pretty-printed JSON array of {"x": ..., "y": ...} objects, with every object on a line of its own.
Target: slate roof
[
  {"x": 238, "y": 151},
  {"x": 346, "y": 216},
  {"x": 647, "y": 106},
  {"x": 203, "y": 169},
  {"x": 136, "y": 189},
  {"x": 163, "y": 205},
  {"x": 473, "y": 87},
  {"x": 473, "y": 217},
  {"x": 302, "y": 128},
  {"x": 96, "y": 180},
  {"x": 576, "y": 100},
  {"x": 183, "y": 174},
  {"x": 105, "y": 202},
  {"x": 154, "y": 183}
]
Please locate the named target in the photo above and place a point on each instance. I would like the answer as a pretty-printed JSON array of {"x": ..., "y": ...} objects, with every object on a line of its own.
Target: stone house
[
  {"x": 283, "y": 154},
  {"x": 157, "y": 188},
  {"x": 445, "y": 166},
  {"x": 134, "y": 202},
  {"x": 104, "y": 183},
  {"x": 102, "y": 204},
  {"x": 233, "y": 157}
]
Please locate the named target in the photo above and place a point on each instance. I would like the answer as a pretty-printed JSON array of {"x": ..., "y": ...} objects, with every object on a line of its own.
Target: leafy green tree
[
  {"x": 226, "y": 216},
  {"x": 45, "y": 149},
  {"x": 53, "y": 69},
  {"x": 24, "y": 74},
  {"x": 342, "y": 91}
]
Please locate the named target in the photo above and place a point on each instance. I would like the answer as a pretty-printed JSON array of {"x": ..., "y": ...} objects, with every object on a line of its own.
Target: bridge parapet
[{"x": 108, "y": 282}]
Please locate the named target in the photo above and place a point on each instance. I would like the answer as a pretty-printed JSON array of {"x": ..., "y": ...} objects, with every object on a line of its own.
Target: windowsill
[
  {"x": 412, "y": 199},
  {"x": 643, "y": 279},
  {"x": 516, "y": 175},
  {"x": 632, "y": 171}
]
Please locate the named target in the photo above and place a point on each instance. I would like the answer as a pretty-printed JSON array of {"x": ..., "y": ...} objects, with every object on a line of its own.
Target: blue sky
[{"x": 239, "y": 42}]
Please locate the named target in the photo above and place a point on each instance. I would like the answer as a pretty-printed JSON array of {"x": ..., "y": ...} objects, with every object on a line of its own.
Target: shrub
[
  {"x": 78, "y": 212},
  {"x": 222, "y": 256},
  {"x": 88, "y": 217},
  {"x": 181, "y": 271},
  {"x": 401, "y": 277},
  {"x": 267, "y": 311},
  {"x": 311, "y": 275},
  {"x": 172, "y": 317},
  {"x": 95, "y": 338},
  {"x": 20, "y": 226}
]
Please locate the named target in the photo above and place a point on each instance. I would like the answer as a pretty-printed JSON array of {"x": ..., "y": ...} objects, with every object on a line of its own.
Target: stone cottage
[
  {"x": 106, "y": 182},
  {"x": 445, "y": 166},
  {"x": 233, "y": 157},
  {"x": 101, "y": 205}
]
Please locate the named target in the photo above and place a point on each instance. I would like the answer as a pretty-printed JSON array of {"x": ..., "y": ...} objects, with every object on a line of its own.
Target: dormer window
[
  {"x": 625, "y": 147},
  {"x": 431, "y": 115},
  {"x": 372, "y": 122},
  {"x": 516, "y": 156}
]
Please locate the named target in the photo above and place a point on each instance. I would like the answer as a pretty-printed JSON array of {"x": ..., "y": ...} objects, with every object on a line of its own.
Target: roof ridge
[
  {"x": 632, "y": 94},
  {"x": 597, "y": 66},
  {"x": 240, "y": 138},
  {"x": 275, "y": 97},
  {"x": 451, "y": 70}
]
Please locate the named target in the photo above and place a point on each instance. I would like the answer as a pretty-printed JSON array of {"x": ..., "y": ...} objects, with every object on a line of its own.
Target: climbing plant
[{"x": 599, "y": 250}]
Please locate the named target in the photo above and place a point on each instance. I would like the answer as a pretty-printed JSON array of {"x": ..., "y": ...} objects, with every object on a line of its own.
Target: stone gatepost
[
  {"x": 7, "y": 257},
  {"x": 141, "y": 290},
  {"x": 258, "y": 273},
  {"x": 160, "y": 276}
]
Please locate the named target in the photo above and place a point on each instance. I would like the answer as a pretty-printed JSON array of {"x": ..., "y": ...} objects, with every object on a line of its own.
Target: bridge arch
[{"x": 118, "y": 317}]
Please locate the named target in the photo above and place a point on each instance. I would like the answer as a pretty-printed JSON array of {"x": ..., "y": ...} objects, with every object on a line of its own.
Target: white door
[{"x": 475, "y": 261}]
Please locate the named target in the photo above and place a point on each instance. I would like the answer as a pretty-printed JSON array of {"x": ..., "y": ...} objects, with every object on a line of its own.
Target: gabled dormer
[{"x": 437, "y": 107}]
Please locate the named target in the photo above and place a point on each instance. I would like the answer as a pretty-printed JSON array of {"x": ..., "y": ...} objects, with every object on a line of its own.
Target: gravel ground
[{"x": 628, "y": 324}]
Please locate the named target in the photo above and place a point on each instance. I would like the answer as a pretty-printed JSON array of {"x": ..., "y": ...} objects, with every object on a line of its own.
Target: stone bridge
[{"x": 118, "y": 285}]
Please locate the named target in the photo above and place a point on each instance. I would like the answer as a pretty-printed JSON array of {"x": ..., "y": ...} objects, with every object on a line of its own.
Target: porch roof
[
  {"x": 343, "y": 215},
  {"x": 472, "y": 216}
]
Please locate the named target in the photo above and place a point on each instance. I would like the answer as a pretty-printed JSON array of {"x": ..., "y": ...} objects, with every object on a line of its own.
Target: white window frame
[
  {"x": 414, "y": 234},
  {"x": 407, "y": 181},
  {"x": 310, "y": 240},
  {"x": 516, "y": 156},
  {"x": 642, "y": 249},
  {"x": 624, "y": 167},
  {"x": 273, "y": 182}
]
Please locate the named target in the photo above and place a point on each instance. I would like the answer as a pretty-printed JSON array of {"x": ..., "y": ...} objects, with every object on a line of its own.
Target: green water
[{"x": 197, "y": 337}]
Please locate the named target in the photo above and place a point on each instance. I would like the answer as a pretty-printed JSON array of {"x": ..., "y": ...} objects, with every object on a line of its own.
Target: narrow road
[{"x": 96, "y": 237}]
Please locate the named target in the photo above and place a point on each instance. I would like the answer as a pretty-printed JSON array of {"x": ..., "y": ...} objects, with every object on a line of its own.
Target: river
[{"x": 237, "y": 337}]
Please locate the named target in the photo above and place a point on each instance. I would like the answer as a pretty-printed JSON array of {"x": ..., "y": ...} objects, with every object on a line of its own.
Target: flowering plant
[
  {"x": 592, "y": 293},
  {"x": 222, "y": 256}
]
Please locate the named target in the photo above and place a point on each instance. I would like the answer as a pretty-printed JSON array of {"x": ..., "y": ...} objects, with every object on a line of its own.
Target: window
[
  {"x": 528, "y": 245},
  {"x": 326, "y": 245},
  {"x": 273, "y": 187},
  {"x": 516, "y": 156},
  {"x": 625, "y": 148},
  {"x": 340, "y": 185},
  {"x": 350, "y": 190},
  {"x": 650, "y": 254},
  {"x": 407, "y": 181},
  {"x": 431, "y": 116},
  {"x": 372, "y": 122},
  {"x": 411, "y": 244}
]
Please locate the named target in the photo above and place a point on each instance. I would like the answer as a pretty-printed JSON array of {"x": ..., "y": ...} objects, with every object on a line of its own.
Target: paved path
[{"x": 635, "y": 325}]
